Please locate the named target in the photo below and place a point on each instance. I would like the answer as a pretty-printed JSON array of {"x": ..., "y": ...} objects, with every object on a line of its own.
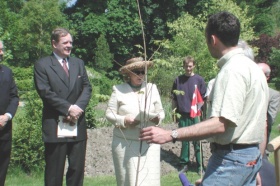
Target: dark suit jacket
[
  {"x": 8, "y": 99},
  {"x": 58, "y": 92},
  {"x": 273, "y": 106}
]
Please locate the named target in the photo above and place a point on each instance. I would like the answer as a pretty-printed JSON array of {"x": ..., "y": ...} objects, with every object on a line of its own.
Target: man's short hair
[
  {"x": 187, "y": 60},
  {"x": 58, "y": 33},
  {"x": 225, "y": 26}
]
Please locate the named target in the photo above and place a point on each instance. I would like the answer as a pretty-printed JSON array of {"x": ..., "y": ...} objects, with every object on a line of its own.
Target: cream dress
[{"x": 126, "y": 144}]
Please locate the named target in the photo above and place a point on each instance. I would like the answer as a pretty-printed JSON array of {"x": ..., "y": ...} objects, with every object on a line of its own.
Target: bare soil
[{"x": 99, "y": 159}]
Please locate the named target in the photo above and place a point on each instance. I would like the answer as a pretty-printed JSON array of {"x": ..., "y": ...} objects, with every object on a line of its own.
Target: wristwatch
[{"x": 174, "y": 135}]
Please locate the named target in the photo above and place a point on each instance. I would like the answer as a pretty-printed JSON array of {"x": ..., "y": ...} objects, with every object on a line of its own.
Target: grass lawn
[{"x": 16, "y": 177}]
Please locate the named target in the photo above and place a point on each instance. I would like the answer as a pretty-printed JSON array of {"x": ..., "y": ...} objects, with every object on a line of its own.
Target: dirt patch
[{"x": 99, "y": 159}]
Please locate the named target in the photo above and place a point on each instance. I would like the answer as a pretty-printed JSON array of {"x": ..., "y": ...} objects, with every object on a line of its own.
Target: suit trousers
[
  {"x": 55, "y": 156},
  {"x": 5, "y": 153}
]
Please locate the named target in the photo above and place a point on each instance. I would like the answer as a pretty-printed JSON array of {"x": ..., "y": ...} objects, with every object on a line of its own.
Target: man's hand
[
  {"x": 75, "y": 112},
  {"x": 198, "y": 182},
  {"x": 69, "y": 120},
  {"x": 155, "y": 135},
  {"x": 3, "y": 121}
]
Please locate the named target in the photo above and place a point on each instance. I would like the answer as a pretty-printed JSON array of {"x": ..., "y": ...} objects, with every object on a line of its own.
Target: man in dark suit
[
  {"x": 8, "y": 105},
  {"x": 62, "y": 83}
]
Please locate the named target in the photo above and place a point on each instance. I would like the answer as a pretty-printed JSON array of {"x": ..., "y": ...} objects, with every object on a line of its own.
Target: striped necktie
[{"x": 65, "y": 66}]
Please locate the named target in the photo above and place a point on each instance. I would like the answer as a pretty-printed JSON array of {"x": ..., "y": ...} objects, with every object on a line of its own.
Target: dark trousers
[
  {"x": 185, "y": 121},
  {"x": 55, "y": 156},
  {"x": 5, "y": 153}
]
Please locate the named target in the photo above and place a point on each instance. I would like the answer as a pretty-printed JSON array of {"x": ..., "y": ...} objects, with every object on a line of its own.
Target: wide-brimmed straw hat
[{"x": 135, "y": 63}]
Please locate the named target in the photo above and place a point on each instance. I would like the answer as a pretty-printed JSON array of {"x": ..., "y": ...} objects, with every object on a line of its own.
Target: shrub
[{"x": 27, "y": 147}]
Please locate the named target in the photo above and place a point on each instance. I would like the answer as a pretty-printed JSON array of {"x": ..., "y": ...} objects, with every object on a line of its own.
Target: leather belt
[{"x": 231, "y": 146}]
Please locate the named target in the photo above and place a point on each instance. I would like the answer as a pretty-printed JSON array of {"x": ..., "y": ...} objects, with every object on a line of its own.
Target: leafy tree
[
  {"x": 87, "y": 19},
  {"x": 24, "y": 80},
  {"x": 275, "y": 9},
  {"x": 260, "y": 11},
  {"x": 269, "y": 53},
  {"x": 103, "y": 57},
  {"x": 189, "y": 39},
  {"x": 119, "y": 22},
  {"x": 265, "y": 44},
  {"x": 30, "y": 33},
  {"x": 7, "y": 20},
  {"x": 274, "y": 62}
]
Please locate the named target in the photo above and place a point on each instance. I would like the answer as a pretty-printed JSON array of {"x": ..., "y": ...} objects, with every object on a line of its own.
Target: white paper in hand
[{"x": 65, "y": 129}]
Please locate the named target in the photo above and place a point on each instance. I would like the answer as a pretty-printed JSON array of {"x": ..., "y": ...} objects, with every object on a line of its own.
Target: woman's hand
[
  {"x": 130, "y": 120},
  {"x": 155, "y": 120}
]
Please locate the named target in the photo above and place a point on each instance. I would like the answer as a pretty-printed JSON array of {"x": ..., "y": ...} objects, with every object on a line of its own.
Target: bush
[{"x": 27, "y": 147}]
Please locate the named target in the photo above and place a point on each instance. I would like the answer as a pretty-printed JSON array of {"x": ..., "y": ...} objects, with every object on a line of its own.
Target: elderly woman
[{"x": 132, "y": 106}]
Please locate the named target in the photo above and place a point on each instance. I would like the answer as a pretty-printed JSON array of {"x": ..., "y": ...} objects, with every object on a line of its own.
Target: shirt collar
[
  {"x": 223, "y": 60},
  {"x": 59, "y": 58}
]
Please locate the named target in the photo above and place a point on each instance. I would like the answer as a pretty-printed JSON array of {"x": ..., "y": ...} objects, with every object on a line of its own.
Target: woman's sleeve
[
  {"x": 112, "y": 110},
  {"x": 158, "y": 104}
]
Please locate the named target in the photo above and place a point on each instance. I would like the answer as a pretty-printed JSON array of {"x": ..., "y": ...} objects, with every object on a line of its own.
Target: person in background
[
  {"x": 133, "y": 105},
  {"x": 183, "y": 103},
  {"x": 248, "y": 51},
  {"x": 9, "y": 101},
  {"x": 267, "y": 176},
  {"x": 63, "y": 85},
  {"x": 238, "y": 110},
  {"x": 267, "y": 173},
  {"x": 274, "y": 100}
]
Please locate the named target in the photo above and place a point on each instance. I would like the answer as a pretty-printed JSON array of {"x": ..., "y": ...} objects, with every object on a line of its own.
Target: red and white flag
[{"x": 197, "y": 103}]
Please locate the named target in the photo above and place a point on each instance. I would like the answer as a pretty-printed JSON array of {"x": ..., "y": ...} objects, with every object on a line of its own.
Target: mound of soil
[{"x": 99, "y": 159}]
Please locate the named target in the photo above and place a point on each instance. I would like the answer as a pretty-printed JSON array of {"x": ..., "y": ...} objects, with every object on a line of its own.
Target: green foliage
[
  {"x": 274, "y": 61},
  {"x": 30, "y": 35},
  {"x": 275, "y": 9},
  {"x": 24, "y": 80},
  {"x": 91, "y": 119},
  {"x": 260, "y": 11},
  {"x": 178, "y": 92},
  {"x": 102, "y": 88},
  {"x": 167, "y": 107},
  {"x": 27, "y": 147},
  {"x": 119, "y": 21},
  {"x": 103, "y": 57},
  {"x": 247, "y": 32},
  {"x": 189, "y": 40},
  {"x": 265, "y": 44}
]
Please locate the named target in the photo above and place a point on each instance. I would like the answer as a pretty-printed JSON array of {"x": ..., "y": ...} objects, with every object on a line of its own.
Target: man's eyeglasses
[{"x": 138, "y": 72}]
